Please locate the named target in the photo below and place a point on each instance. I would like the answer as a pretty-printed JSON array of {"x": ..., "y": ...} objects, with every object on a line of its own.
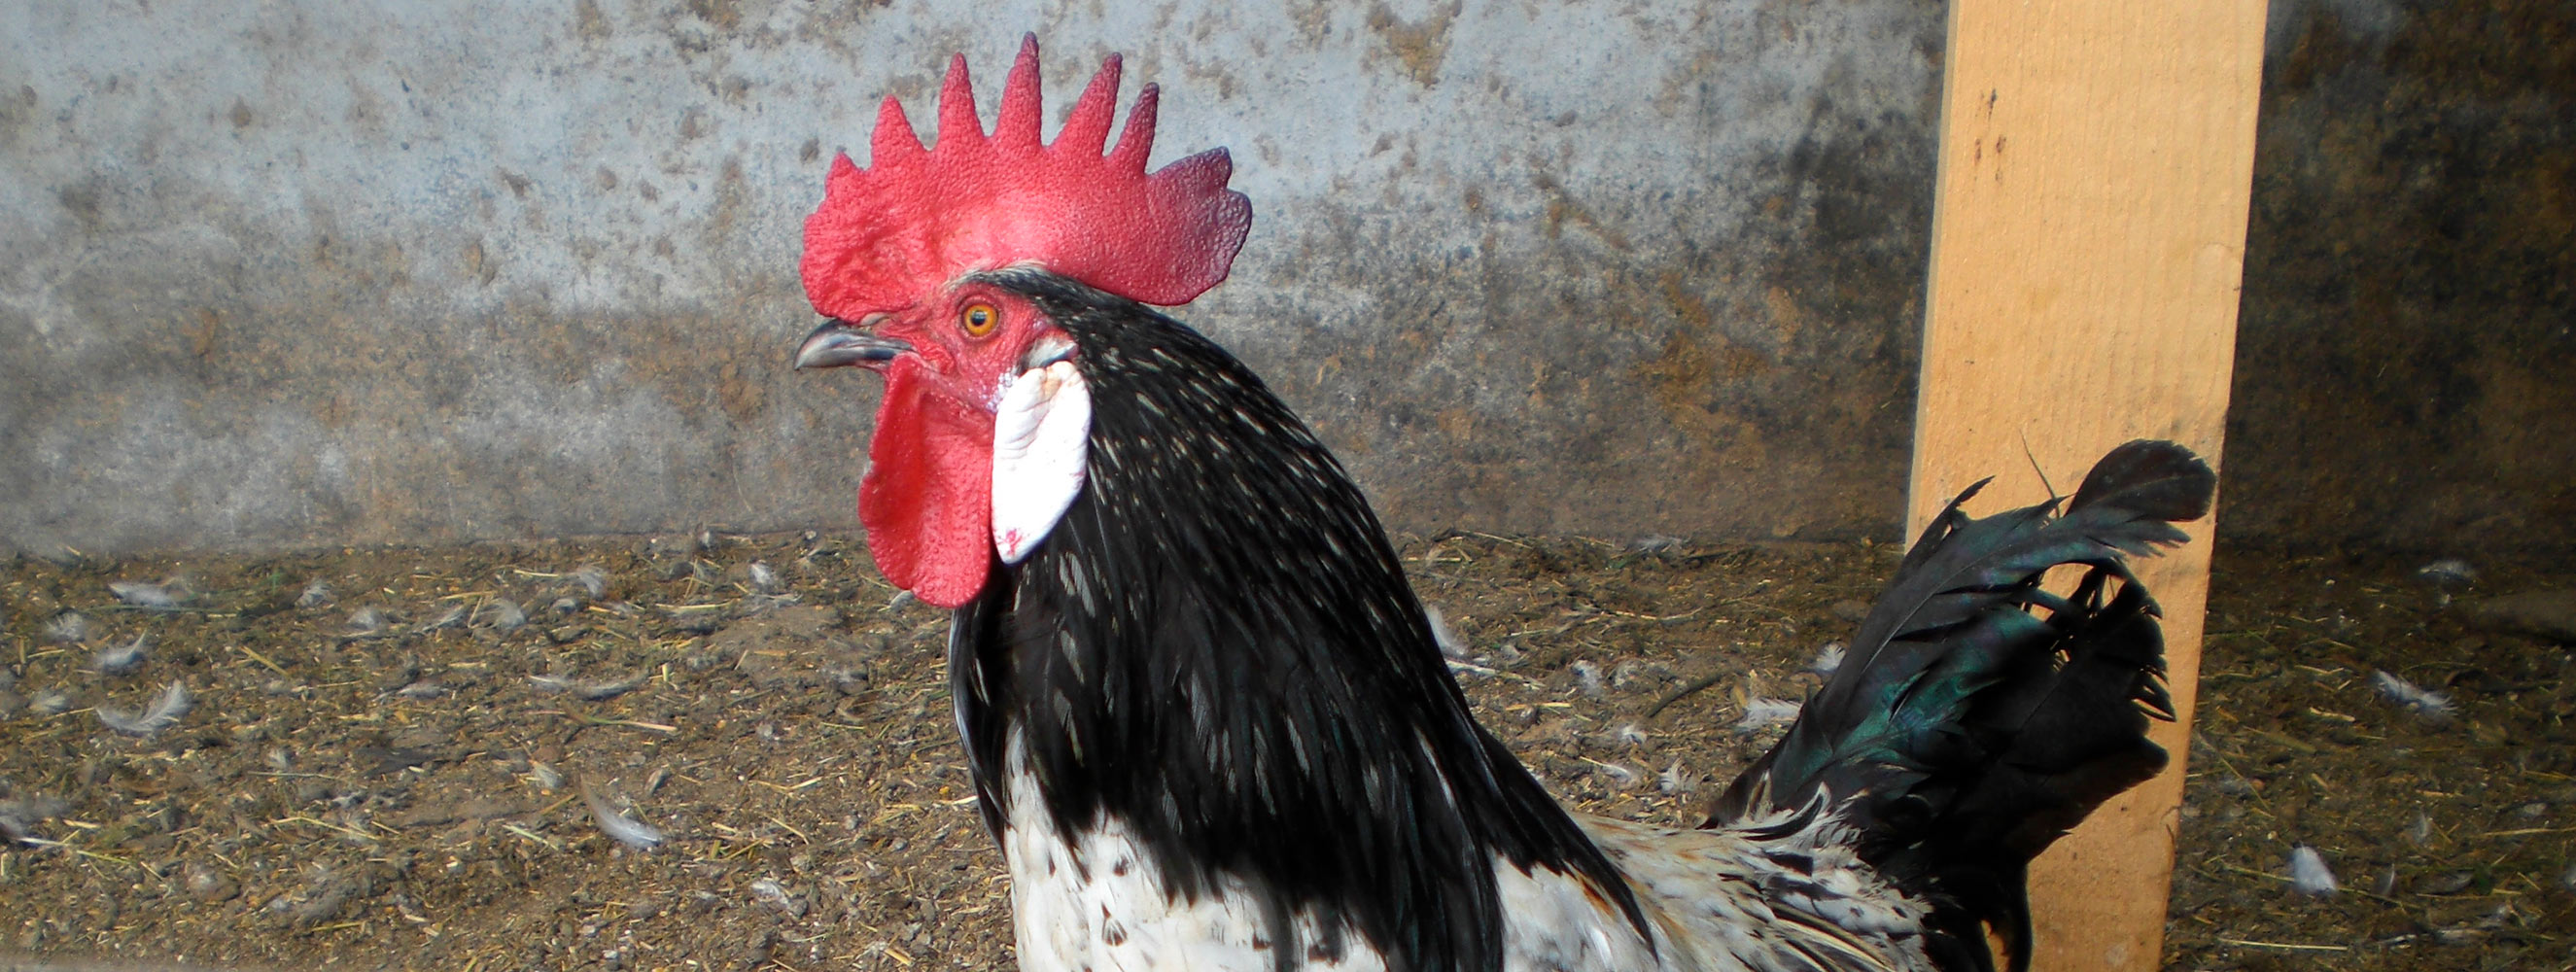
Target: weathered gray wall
[
  {"x": 304, "y": 272},
  {"x": 2406, "y": 371},
  {"x": 321, "y": 272}
]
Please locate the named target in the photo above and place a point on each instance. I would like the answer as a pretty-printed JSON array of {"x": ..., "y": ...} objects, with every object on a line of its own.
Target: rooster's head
[{"x": 893, "y": 258}]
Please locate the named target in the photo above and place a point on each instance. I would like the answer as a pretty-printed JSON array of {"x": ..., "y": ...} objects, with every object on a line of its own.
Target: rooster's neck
[{"x": 1217, "y": 651}]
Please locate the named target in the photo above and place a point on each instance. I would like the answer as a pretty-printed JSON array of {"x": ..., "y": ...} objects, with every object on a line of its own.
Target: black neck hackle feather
[
  {"x": 1218, "y": 646},
  {"x": 1977, "y": 716}
]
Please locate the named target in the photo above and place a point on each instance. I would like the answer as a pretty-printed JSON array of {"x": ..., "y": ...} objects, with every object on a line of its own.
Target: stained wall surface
[
  {"x": 308, "y": 272},
  {"x": 2407, "y": 359},
  {"x": 303, "y": 272}
]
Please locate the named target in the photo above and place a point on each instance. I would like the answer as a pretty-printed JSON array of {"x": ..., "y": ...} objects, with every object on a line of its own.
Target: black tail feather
[
  {"x": 2158, "y": 480},
  {"x": 1978, "y": 716}
]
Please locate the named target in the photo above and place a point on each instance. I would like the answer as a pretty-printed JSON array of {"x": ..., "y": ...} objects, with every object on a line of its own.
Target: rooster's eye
[{"x": 979, "y": 319}]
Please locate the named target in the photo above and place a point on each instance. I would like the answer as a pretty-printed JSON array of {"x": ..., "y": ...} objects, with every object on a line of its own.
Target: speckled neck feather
[{"x": 1218, "y": 648}]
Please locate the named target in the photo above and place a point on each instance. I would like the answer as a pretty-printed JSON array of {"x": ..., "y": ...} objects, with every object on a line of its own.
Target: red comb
[{"x": 886, "y": 235}]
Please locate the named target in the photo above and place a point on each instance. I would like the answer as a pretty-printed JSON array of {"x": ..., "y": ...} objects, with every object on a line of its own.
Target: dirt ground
[{"x": 400, "y": 771}]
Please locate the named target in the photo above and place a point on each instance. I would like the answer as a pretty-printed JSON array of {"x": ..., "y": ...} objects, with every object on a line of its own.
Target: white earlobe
[{"x": 1041, "y": 443}]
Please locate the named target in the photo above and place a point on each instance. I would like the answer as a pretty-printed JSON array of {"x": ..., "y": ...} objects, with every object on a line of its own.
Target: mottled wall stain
[
  {"x": 2409, "y": 322},
  {"x": 1420, "y": 43}
]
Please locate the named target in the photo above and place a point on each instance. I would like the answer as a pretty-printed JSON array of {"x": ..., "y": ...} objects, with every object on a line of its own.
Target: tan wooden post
[{"x": 2087, "y": 250}]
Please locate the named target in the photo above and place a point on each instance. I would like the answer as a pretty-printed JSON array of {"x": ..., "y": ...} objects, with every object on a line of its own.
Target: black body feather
[
  {"x": 1217, "y": 645},
  {"x": 1977, "y": 716}
]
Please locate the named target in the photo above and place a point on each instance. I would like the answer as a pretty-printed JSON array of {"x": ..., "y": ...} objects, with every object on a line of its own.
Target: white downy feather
[
  {"x": 1764, "y": 713},
  {"x": 2430, "y": 704},
  {"x": 624, "y": 829},
  {"x": 174, "y": 702},
  {"x": 2309, "y": 874}
]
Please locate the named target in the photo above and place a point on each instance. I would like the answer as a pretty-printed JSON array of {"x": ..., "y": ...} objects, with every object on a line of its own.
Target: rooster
[{"x": 1207, "y": 720}]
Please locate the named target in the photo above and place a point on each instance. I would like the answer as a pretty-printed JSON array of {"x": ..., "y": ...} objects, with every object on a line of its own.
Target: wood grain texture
[{"x": 2088, "y": 247}]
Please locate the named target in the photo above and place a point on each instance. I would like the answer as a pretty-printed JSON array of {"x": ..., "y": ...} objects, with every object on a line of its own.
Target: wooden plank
[{"x": 2088, "y": 244}]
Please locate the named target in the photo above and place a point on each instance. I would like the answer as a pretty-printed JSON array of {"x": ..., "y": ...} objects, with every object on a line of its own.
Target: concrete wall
[
  {"x": 2406, "y": 372},
  {"x": 307, "y": 272},
  {"x": 313, "y": 272}
]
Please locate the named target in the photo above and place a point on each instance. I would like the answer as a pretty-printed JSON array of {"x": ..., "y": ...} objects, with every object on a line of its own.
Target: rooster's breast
[{"x": 1096, "y": 901}]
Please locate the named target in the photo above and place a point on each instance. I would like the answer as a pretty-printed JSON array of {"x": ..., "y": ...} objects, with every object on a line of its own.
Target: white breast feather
[
  {"x": 1551, "y": 922},
  {"x": 1095, "y": 901}
]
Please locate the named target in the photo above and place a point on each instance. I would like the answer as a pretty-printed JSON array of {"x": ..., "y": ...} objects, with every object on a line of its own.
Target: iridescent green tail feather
[{"x": 1977, "y": 716}]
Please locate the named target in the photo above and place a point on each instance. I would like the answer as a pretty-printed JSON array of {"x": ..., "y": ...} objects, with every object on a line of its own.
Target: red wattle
[{"x": 927, "y": 500}]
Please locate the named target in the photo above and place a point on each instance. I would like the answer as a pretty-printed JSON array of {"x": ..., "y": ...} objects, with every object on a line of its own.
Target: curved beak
[{"x": 840, "y": 344}]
